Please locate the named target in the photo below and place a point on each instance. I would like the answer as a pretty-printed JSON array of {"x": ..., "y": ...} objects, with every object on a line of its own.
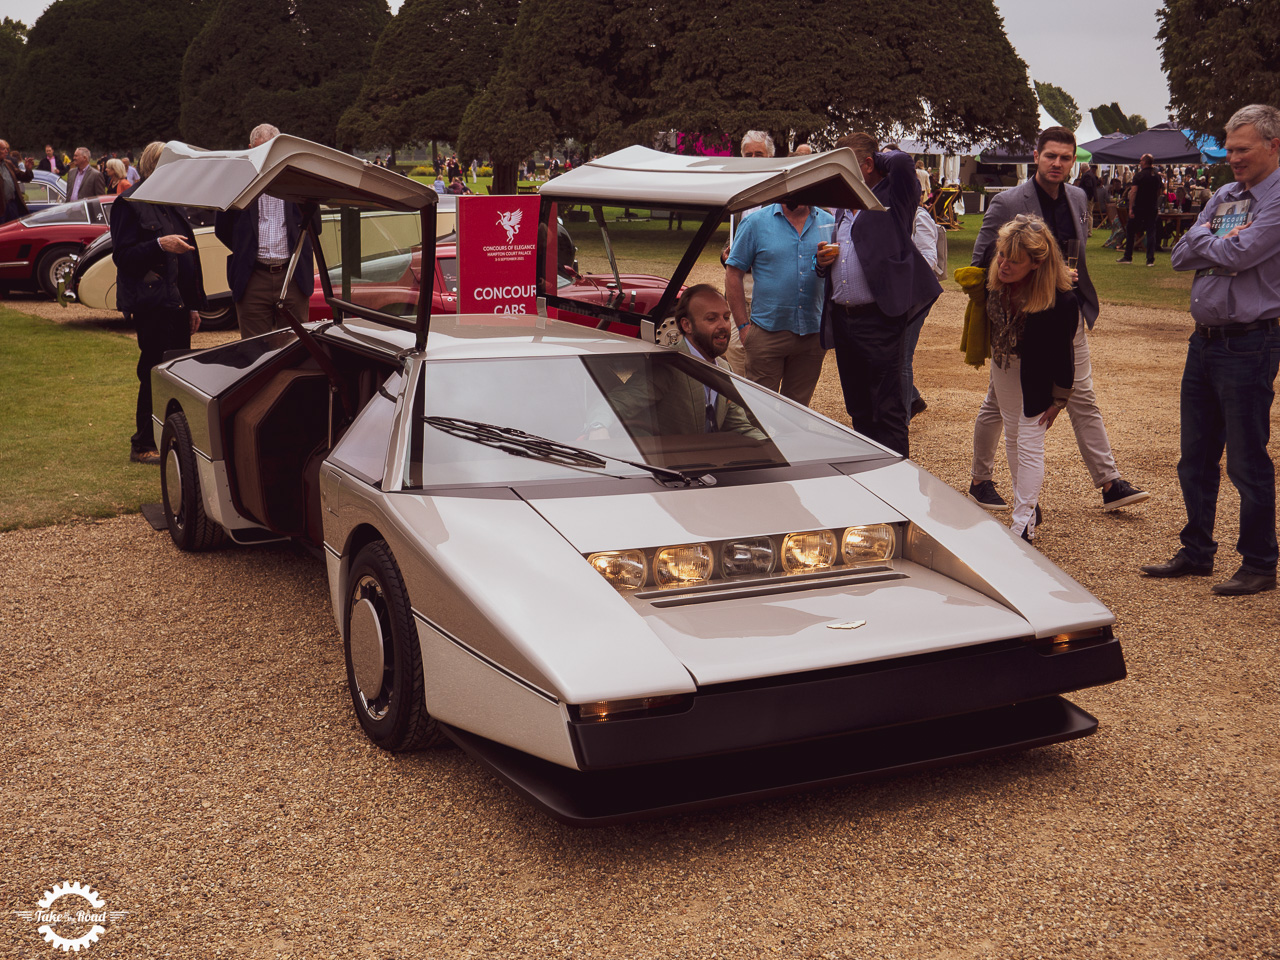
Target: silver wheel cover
[
  {"x": 367, "y": 649},
  {"x": 173, "y": 483}
]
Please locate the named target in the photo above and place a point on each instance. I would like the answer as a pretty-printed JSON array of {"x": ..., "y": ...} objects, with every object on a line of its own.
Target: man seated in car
[{"x": 670, "y": 401}]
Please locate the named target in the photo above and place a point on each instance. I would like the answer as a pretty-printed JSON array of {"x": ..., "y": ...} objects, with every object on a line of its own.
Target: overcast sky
[{"x": 1096, "y": 50}]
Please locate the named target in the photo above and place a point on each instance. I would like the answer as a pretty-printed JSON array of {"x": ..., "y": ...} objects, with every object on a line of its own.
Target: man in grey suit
[
  {"x": 1065, "y": 210},
  {"x": 83, "y": 179}
]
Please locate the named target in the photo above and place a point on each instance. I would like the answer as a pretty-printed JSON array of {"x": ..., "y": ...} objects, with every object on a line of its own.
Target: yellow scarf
[{"x": 975, "y": 342}]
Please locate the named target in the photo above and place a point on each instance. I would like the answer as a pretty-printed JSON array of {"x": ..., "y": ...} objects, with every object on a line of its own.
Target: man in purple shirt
[
  {"x": 83, "y": 180},
  {"x": 1232, "y": 358}
]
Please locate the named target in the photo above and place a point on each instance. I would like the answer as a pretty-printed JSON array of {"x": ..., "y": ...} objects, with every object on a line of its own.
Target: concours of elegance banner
[{"x": 497, "y": 254}]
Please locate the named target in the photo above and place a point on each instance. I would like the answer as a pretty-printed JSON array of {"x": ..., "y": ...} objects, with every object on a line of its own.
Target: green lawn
[{"x": 67, "y": 397}]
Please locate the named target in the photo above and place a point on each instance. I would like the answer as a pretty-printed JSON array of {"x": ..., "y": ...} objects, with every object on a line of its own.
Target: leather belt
[
  {"x": 1234, "y": 329},
  {"x": 271, "y": 267}
]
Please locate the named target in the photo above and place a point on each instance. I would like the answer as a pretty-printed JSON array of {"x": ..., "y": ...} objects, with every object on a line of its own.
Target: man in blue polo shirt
[{"x": 781, "y": 335}]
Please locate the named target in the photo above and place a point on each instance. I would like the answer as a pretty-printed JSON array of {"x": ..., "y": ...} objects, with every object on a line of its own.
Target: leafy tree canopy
[
  {"x": 590, "y": 90},
  {"x": 1059, "y": 104},
  {"x": 941, "y": 71},
  {"x": 1220, "y": 55},
  {"x": 294, "y": 63},
  {"x": 430, "y": 62},
  {"x": 100, "y": 73},
  {"x": 1109, "y": 118}
]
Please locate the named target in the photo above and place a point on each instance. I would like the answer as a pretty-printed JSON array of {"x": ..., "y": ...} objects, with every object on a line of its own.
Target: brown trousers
[{"x": 255, "y": 311}]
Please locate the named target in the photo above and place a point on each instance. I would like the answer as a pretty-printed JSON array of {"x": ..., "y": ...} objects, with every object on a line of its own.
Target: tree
[
  {"x": 102, "y": 73},
  {"x": 432, "y": 59},
  {"x": 1220, "y": 55},
  {"x": 13, "y": 42},
  {"x": 1109, "y": 118},
  {"x": 941, "y": 70},
  {"x": 1059, "y": 104},
  {"x": 590, "y": 91},
  {"x": 294, "y": 63}
]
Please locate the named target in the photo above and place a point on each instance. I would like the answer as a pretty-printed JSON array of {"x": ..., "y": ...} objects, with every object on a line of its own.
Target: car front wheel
[
  {"x": 189, "y": 526},
  {"x": 52, "y": 264},
  {"x": 384, "y": 661}
]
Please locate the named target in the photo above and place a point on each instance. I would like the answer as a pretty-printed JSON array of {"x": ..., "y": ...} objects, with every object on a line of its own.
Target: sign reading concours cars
[{"x": 497, "y": 254}]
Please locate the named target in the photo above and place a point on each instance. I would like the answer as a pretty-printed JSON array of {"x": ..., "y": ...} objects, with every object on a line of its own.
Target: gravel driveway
[{"x": 178, "y": 736}]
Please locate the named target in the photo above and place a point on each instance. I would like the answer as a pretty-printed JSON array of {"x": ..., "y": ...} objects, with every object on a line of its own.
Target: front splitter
[{"x": 600, "y": 798}]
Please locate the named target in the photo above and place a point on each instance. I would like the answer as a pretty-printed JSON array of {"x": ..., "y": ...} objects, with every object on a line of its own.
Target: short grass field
[
  {"x": 67, "y": 392},
  {"x": 67, "y": 397}
]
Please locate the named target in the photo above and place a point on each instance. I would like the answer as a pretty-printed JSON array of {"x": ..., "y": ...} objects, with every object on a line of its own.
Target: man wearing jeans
[
  {"x": 1063, "y": 209},
  {"x": 1228, "y": 382}
]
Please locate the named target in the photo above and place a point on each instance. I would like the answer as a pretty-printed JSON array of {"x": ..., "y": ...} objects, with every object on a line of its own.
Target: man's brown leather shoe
[
  {"x": 1179, "y": 566},
  {"x": 1242, "y": 584}
]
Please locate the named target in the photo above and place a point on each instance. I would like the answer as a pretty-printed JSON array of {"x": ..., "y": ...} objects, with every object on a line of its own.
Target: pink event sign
[{"x": 497, "y": 254}]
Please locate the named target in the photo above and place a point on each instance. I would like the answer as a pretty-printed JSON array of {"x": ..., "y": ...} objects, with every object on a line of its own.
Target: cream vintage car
[
  {"x": 624, "y": 621},
  {"x": 90, "y": 277}
]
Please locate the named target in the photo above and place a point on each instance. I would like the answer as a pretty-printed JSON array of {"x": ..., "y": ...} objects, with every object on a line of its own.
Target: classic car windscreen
[
  {"x": 614, "y": 242},
  {"x": 664, "y": 409}
]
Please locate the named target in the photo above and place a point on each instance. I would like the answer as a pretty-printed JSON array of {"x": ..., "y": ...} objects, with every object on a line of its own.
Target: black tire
[
  {"x": 50, "y": 264},
  {"x": 384, "y": 662},
  {"x": 219, "y": 316},
  {"x": 189, "y": 526}
]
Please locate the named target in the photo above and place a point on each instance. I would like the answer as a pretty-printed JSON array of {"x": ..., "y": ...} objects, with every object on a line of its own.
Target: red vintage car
[
  {"x": 35, "y": 250},
  {"x": 391, "y": 283}
]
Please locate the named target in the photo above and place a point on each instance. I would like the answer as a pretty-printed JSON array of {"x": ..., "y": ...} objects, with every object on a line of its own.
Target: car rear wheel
[
  {"x": 384, "y": 661},
  {"x": 189, "y": 526},
  {"x": 52, "y": 264},
  {"x": 221, "y": 316}
]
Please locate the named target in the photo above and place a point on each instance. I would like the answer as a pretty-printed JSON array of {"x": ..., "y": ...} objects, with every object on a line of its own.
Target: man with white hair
[
  {"x": 84, "y": 180},
  {"x": 261, "y": 239},
  {"x": 1233, "y": 353}
]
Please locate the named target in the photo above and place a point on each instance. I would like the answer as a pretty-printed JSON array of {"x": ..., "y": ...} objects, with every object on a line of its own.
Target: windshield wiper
[{"x": 521, "y": 444}]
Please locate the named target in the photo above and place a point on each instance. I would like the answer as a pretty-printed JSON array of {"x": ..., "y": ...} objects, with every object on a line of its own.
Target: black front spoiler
[{"x": 599, "y": 798}]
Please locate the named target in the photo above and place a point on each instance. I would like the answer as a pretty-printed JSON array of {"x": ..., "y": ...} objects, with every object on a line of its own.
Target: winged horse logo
[{"x": 510, "y": 222}]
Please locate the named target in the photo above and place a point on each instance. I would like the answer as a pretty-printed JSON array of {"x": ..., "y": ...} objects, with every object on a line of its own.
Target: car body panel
[
  {"x": 598, "y": 702},
  {"x": 67, "y": 225},
  {"x": 93, "y": 281},
  {"x": 627, "y": 521}
]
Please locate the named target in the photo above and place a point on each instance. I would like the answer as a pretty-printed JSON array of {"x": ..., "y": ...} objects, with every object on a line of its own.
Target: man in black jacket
[{"x": 261, "y": 239}]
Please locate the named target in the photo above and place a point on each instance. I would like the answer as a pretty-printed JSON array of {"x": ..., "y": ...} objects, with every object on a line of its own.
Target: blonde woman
[
  {"x": 1031, "y": 315},
  {"x": 118, "y": 176}
]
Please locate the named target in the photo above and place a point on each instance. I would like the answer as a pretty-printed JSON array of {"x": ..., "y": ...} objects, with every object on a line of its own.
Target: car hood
[{"x": 918, "y": 607}]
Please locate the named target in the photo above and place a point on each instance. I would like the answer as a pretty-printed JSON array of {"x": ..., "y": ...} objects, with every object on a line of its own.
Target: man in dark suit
[
  {"x": 83, "y": 179},
  {"x": 876, "y": 281},
  {"x": 51, "y": 163},
  {"x": 12, "y": 205},
  {"x": 1065, "y": 210},
  {"x": 261, "y": 239}
]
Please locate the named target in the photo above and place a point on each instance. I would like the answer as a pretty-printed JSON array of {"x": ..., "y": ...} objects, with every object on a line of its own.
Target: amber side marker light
[
  {"x": 1077, "y": 638},
  {"x": 630, "y": 709}
]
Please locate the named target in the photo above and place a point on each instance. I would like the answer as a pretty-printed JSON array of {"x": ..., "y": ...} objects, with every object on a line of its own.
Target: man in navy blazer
[
  {"x": 1065, "y": 209},
  {"x": 875, "y": 283},
  {"x": 261, "y": 239}
]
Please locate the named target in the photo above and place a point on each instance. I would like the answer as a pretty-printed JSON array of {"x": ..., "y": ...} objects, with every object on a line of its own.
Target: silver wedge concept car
[{"x": 533, "y": 552}]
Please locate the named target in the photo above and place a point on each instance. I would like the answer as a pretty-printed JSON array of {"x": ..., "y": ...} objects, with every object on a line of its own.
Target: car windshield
[
  {"x": 664, "y": 409},
  {"x": 62, "y": 213}
]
